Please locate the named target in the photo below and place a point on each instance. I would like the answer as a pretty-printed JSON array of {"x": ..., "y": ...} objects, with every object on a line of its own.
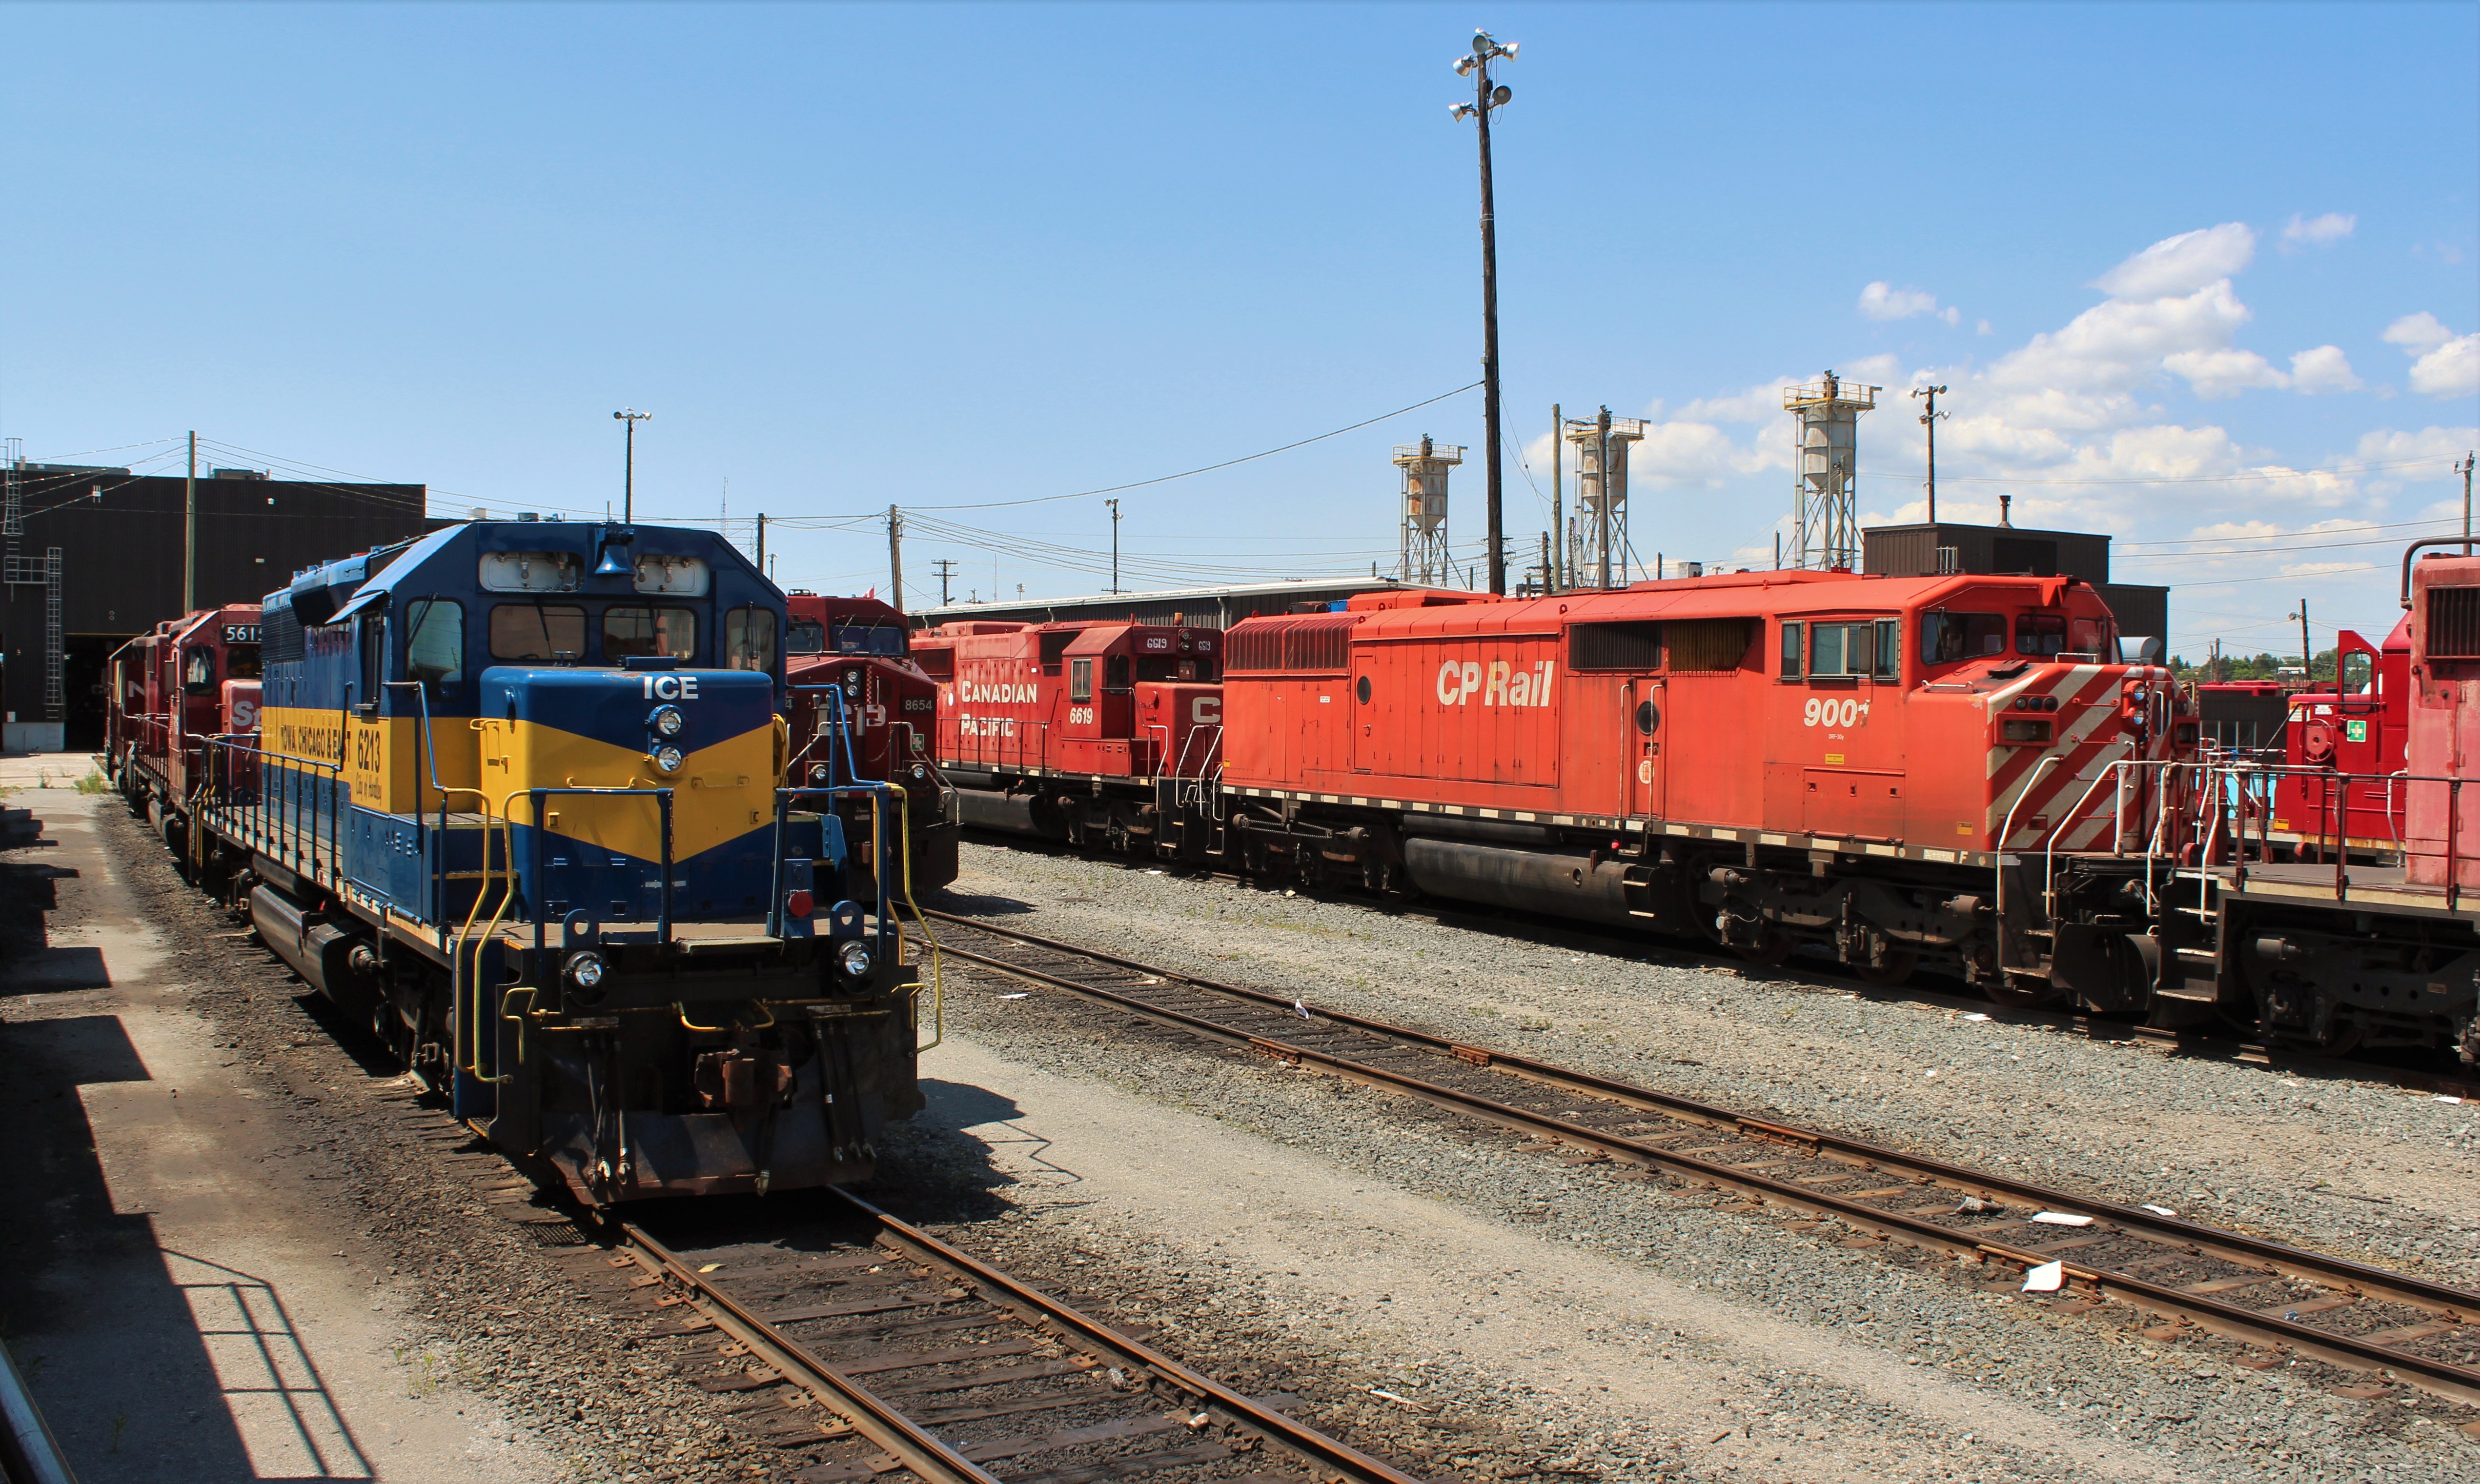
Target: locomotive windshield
[
  {"x": 1949, "y": 637},
  {"x": 536, "y": 632},
  {"x": 869, "y": 639},
  {"x": 805, "y": 636},
  {"x": 653, "y": 632},
  {"x": 241, "y": 662}
]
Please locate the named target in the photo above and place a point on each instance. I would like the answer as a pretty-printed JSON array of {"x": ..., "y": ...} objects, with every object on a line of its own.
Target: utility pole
[
  {"x": 947, "y": 569},
  {"x": 2466, "y": 504},
  {"x": 1115, "y": 544},
  {"x": 762, "y": 545},
  {"x": 189, "y": 529},
  {"x": 629, "y": 420},
  {"x": 1929, "y": 421},
  {"x": 2307, "y": 654},
  {"x": 1558, "y": 490},
  {"x": 895, "y": 559},
  {"x": 1488, "y": 96}
]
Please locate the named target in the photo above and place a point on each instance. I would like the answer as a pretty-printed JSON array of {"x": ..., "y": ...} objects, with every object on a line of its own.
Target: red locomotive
[
  {"x": 2360, "y": 730},
  {"x": 859, "y": 648},
  {"x": 174, "y": 690},
  {"x": 1091, "y": 733}
]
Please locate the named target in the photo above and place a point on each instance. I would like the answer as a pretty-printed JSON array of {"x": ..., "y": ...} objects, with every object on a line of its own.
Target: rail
[
  {"x": 284, "y": 831},
  {"x": 2364, "y": 1318},
  {"x": 980, "y": 1293}
]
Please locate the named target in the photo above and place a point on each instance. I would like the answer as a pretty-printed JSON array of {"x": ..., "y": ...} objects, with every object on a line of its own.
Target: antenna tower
[
  {"x": 1424, "y": 465},
  {"x": 1826, "y": 523}
]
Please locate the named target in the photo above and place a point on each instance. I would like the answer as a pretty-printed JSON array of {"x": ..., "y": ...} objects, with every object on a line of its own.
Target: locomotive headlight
[
  {"x": 667, "y": 721},
  {"x": 587, "y": 970},
  {"x": 852, "y": 682},
  {"x": 920, "y": 774},
  {"x": 669, "y": 758},
  {"x": 855, "y": 960},
  {"x": 818, "y": 773}
]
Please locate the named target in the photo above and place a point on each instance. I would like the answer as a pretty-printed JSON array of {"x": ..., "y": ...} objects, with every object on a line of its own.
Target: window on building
[
  {"x": 749, "y": 639},
  {"x": 434, "y": 652},
  {"x": 1949, "y": 637},
  {"x": 543, "y": 634},
  {"x": 666, "y": 632}
]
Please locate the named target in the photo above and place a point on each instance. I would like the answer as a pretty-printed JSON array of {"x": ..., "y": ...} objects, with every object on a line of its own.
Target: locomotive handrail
[
  {"x": 2007, "y": 828},
  {"x": 663, "y": 808},
  {"x": 423, "y": 750},
  {"x": 2413, "y": 549}
]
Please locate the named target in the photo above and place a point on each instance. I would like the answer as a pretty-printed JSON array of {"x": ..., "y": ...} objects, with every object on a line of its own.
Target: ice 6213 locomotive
[{"x": 517, "y": 800}]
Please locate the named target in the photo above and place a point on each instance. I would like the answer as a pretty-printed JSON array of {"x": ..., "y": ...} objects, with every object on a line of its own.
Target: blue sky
[{"x": 947, "y": 256}]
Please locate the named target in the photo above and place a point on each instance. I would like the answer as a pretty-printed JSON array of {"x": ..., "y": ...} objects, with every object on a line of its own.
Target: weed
[{"x": 94, "y": 782}]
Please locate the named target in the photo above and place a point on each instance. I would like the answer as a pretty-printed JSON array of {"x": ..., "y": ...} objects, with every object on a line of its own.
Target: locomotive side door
[{"x": 1644, "y": 701}]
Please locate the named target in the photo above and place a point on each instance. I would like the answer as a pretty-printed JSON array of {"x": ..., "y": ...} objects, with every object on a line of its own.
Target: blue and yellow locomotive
[{"x": 516, "y": 802}]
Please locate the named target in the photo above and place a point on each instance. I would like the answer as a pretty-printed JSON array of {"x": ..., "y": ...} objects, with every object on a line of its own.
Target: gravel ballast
[{"x": 1741, "y": 1316}]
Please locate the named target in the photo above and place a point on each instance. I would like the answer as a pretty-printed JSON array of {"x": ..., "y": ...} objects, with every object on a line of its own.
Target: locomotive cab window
[
  {"x": 198, "y": 674},
  {"x": 434, "y": 654},
  {"x": 749, "y": 639},
  {"x": 805, "y": 636},
  {"x": 374, "y": 638},
  {"x": 1947, "y": 638},
  {"x": 241, "y": 662},
  {"x": 1115, "y": 674},
  {"x": 1080, "y": 680},
  {"x": 1872, "y": 648},
  {"x": 544, "y": 633},
  {"x": 2040, "y": 635},
  {"x": 669, "y": 633},
  {"x": 868, "y": 639},
  {"x": 1794, "y": 637}
]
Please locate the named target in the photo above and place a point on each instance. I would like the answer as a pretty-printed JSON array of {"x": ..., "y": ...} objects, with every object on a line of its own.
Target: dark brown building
[
  {"x": 117, "y": 538},
  {"x": 2008, "y": 551}
]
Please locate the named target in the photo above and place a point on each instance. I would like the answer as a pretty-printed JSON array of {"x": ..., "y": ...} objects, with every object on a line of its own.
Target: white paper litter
[
  {"x": 1017, "y": 996},
  {"x": 2048, "y": 1278},
  {"x": 1975, "y": 1016},
  {"x": 2443, "y": 1098},
  {"x": 2159, "y": 1211},
  {"x": 1300, "y": 1010},
  {"x": 2061, "y": 1218}
]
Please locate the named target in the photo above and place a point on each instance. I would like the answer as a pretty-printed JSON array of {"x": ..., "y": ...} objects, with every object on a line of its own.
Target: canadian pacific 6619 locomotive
[{"x": 516, "y": 804}]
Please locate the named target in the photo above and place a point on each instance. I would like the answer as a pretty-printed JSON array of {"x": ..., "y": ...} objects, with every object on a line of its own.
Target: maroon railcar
[
  {"x": 855, "y": 654},
  {"x": 1091, "y": 731},
  {"x": 171, "y": 691}
]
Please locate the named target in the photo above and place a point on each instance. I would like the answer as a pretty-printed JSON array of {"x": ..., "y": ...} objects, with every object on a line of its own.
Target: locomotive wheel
[
  {"x": 2003, "y": 992},
  {"x": 1767, "y": 952},
  {"x": 1898, "y": 968}
]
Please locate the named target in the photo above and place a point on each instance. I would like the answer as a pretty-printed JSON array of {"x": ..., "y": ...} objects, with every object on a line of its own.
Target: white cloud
[
  {"x": 1757, "y": 404},
  {"x": 2417, "y": 333},
  {"x": 2217, "y": 374},
  {"x": 2181, "y": 264},
  {"x": 1985, "y": 328},
  {"x": 2317, "y": 231},
  {"x": 2116, "y": 345},
  {"x": 1881, "y": 300},
  {"x": 2445, "y": 364},
  {"x": 2324, "y": 369}
]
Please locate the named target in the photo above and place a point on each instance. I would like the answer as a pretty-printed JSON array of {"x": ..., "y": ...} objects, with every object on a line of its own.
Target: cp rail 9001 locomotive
[{"x": 516, "y": 802}]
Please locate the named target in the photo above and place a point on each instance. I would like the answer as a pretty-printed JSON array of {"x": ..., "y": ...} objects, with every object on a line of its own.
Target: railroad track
[
  {"x": 894, "y": 1352},
  {"x": 2224, "y": 1043},
  {"x": 2286, "y": 1301}
]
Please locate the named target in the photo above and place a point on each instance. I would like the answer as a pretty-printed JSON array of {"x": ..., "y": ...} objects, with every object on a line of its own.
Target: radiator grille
[
  {"x": 1615, "y": 646},
  {"x": 1320, "y": 642},
  {"x": 1708, "y": 645},
  {"x": 2453, "y": 628}
]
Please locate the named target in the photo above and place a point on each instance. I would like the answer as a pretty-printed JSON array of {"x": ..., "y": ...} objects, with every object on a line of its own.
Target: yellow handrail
[{"x": 937, "y": 975}]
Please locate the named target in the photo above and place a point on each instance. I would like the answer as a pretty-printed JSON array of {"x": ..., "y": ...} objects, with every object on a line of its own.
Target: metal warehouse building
[{"x": 93, "y": 557}]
